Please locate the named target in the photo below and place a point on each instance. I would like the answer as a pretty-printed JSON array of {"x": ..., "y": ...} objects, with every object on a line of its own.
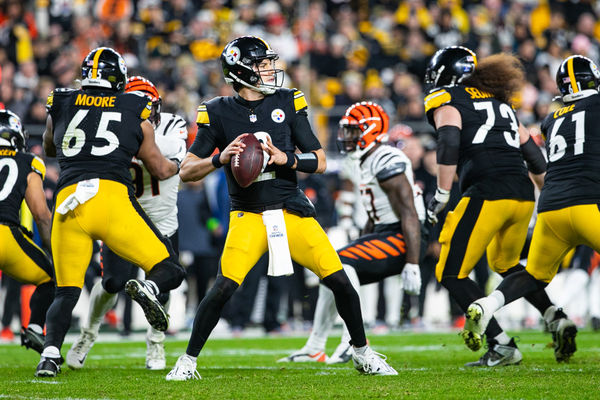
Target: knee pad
[
  {"x": 221, "y": 291},
  {"x": 113, "y": 284},
  {"x": 338, "y": 282}
]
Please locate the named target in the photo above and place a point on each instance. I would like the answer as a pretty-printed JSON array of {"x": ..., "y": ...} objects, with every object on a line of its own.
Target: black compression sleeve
[
  {"x": 536, "y": 163},
  {"x": 448, "y": 145},
  {"x": 302, "y": 134},
  {"x": 204, "y": 143},
  {"x": 307, "y": 162}
]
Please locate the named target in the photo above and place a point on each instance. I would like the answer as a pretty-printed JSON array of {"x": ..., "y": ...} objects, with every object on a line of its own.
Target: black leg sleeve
[
  {"x": 167, "y": 275},
  {"x": 40, "y": 302},
  {"x": 464, "y": 292},
  {"x": 520, "y": 284},
  {"x": 59, "y": 314},
  {"x": 539, "y": 299},
  {"x": 209, "y": 312},
  {"x": 348, "y": 305}
]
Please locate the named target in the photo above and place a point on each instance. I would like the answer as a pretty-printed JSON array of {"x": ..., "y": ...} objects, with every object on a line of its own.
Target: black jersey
[
  {"x": 283, "y": 116},
  {"x": 573, "y": 145},
  {"x": 490, "y": 164},
  {"x": 15, "y": 166},
  {"x": 96, "y": 133}
]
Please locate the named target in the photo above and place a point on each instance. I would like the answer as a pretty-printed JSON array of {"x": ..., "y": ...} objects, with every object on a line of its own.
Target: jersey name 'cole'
[
  {"x": 96, "y": 133},
  {"x": 490, "y": 164},
  {"x": 573, "y": 146},
  {"x": 224, "y": 118},
  {"x": 15, "y": 166}
]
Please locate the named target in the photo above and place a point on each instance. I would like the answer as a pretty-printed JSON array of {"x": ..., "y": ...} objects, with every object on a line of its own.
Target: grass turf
[{"x": 430, "y": 366}]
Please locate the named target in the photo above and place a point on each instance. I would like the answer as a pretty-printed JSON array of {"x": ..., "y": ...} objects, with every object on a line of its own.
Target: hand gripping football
[{"x": 248, "y": 165}]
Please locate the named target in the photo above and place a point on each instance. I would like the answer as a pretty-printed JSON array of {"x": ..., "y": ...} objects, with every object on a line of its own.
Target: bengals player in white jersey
[
  {"x": 159, "y": 201},
  {"x": 391, "y": 242}
]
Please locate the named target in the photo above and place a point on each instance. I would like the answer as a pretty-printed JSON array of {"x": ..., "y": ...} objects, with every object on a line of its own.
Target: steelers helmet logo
[
  {"x": 232, "y": 55},
  {"x": 595, "y": 70},
  {"x": 122, "y": 66},
  {"x": 14, "y": 123},
  {"x": 278, "y": 115}
]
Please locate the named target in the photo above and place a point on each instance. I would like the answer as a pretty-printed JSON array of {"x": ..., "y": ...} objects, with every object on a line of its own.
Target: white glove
[
  {"x": 411, "y": 279},
  {"x": 437, "y": 204}
]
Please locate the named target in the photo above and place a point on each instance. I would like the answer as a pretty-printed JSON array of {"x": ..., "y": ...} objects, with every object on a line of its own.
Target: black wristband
[
  {"x": 178, "y": 163},
  {"x": 291, "y": 159},
  {"x": 307, "y": 162},
  {"x": 216, "y": 162}
]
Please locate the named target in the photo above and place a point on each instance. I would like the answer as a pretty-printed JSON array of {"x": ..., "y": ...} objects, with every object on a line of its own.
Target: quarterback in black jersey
[
  {"x": 95, "y": 132},
  {"x": 21, "y": 176},
  {"x": 274, "y": 200},
  {"x": 480, "y": 138},
  {"x": 569, "y": 204}
]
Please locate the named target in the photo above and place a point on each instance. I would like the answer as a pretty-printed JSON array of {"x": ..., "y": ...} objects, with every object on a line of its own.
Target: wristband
[
  {"x": 216, "y": 162},
  {"x": 442, "y": 195},
  {"x": 178, "y": 163},
  {"x": 291, "y": 159},
  {"x": 307, "y": 162}
]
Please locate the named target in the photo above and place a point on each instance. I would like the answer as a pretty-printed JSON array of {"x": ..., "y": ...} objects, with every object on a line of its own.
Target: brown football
[{"x": 247, "y": 166}]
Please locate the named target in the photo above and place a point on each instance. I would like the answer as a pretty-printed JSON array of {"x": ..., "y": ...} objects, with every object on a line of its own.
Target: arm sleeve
[
  {"x": 536, "y": 163},
  {"x": 448, "y": 145},
  {"x": 302, "y": 133},
  {"x": 204, "y": 143}
]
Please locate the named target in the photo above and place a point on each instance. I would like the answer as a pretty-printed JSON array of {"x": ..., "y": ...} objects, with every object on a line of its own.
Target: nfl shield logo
[{"x": 252, "y": 117}]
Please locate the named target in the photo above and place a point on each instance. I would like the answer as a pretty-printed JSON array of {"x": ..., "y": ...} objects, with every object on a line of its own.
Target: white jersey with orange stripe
[
  {"x": 385, "y": 161},
  {"x": 159, "y": 198}
]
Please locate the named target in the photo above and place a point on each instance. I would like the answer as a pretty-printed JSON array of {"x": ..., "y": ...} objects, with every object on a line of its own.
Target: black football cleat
[
  {"x": 32, "y": 340},
  {"x": 155, "y": 312},
  {"x": 48, "y": 367}
]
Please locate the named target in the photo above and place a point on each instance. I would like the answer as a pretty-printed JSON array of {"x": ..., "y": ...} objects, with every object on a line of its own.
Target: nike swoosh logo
[
  {"x": 82, "y": 359},
  {"x": 491, "y": 363}
]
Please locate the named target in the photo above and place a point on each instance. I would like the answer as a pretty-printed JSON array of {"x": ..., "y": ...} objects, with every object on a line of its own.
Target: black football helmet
[
  {"x": 240, "y": 60},
  {"x": 577, "y": 77},
  {"x": 12, "y": 133},
  {"x": 103, "y": 67},
  {"x": 450, "y": 66}
]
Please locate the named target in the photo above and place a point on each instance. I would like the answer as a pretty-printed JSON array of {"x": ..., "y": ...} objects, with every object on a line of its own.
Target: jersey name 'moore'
[
  {"x": 374, "y": 199},
  {"x": 159, "y": 198}
]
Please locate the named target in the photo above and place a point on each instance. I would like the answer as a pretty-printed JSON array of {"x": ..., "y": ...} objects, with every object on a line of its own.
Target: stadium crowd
[{"x": 337, "y": 52}]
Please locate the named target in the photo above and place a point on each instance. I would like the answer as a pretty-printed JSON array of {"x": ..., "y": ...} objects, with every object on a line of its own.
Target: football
[{"x": 248, "y": 165}]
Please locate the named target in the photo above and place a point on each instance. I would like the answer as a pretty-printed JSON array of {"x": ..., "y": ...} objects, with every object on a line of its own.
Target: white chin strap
[{"x": 579, "y": 95}]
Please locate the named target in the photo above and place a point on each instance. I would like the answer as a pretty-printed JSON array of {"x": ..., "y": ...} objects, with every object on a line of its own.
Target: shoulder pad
[
  {"x": 202, "y": 116},
  {"x": 299, "y": 100},
  {"x": 37, "y": 165},
  {"x": 437, "y": 99}
]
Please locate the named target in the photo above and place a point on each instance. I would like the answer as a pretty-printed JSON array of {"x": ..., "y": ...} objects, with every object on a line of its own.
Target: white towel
[
  {"x": 280, "y": 260},
  {"x": 85, "y": 190}
]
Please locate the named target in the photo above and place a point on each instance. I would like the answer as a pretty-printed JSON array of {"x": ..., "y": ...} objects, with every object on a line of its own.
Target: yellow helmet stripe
[
  {"x": 572, "y": 75},
  {"x": 262, "y": 40},
  {"x": 95, "y": 64},
  {"x": 474, "y": 56}
]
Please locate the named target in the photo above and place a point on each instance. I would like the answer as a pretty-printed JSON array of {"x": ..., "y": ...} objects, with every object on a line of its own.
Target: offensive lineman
[
  {"x": 568, "y": 213},
  {"x": 95, "y": 132},
  {"x": 159, "y": 201},
  {"x": 21, "y": 177},
  {"x": 391, "y": 240}
]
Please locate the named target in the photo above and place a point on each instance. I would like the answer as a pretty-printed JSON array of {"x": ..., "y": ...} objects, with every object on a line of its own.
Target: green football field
[{"x": 430, "y": 366}]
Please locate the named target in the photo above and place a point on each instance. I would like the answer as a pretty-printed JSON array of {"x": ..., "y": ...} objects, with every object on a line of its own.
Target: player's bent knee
[
  {"x": 113, "y": 284},
  {"x": 221, "y": 291},
  {"x": 339, "y": 282}
]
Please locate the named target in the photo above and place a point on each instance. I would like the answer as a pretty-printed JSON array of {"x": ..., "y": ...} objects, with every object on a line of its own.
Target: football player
[
  {"x": 95, "y": 132},
  {"x": 261, "y": 105},
  {"x": 159, "y": 201},
  {"x": 568, "y": 213},
  {"x": 21, "y": 177},
  {"x": 480, "y": 137},
  {"x": 391, "y": 240}
]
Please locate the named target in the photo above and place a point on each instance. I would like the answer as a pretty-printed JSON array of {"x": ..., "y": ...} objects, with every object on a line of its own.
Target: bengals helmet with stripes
[
  {"x": 363, "y": 125},
  {"x": 103, "y": 67},
  {"x": 140, "y": 84},
  {"x": 577, "y": 77}
]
